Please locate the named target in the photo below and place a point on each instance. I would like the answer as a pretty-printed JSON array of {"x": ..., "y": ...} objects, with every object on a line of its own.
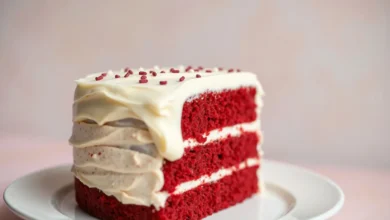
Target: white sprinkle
[
  {"x": 141, "y": 69},
  {"x": 110, "y": 72},
  {"x": 192, "y": 71},
  {"x": 215, "y": 69},
  {"x": 156, "y": 67}
]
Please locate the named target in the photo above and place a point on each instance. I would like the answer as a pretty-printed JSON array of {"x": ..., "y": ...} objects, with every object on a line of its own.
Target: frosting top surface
[{"x": 154, "y": 96}]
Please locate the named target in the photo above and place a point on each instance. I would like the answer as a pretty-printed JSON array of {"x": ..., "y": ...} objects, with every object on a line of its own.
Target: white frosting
[
  {"x": 218, "y": 134},
  {"x": 183, "y": 187},
  {"x": 158, "y": 106}
]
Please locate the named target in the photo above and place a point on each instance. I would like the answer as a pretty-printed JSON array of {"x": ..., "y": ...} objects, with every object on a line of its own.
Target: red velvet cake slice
[{"x": 166, "y": 143}]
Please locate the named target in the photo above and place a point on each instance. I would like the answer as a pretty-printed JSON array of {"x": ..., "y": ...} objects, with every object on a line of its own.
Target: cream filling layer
[
  {"x": 214, "y": 177},
  {"x": 222, "y": 133}
]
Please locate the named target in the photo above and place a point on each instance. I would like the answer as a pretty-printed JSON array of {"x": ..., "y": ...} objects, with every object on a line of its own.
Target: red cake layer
[
  {"x": 194, "y": 204},
  {"x": 212, "y": 110},
  {"x": 204, "y": 160}
]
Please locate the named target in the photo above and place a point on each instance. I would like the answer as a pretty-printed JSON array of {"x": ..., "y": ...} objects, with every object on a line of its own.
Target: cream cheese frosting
[
  {"x": 158, "y": 106},
  {"x": 130, "y": 176},
  {"x": 124, "y": 129}
]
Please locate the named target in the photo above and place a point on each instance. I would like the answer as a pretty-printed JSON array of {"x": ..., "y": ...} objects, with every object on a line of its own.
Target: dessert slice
[{"x": 166, "y": 143}]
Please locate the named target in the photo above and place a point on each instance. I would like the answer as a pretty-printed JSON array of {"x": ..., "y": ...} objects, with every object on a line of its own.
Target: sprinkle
[
  {"x": 141, "y": 69},
  {"x": 209, "y": 71},
  {"x": 100, "y": 153},
  {"x": 238, "y": 70},
  {"x": 220, "y": 68},
  {"x": 143, "y": 81},
  {"x": 153, "y": 73},
  {"x": 198, "y": 76},
  {"x": 144, "y": 77},
  {"x": 162, "y": 71},
  {"x": 172, "y": 70},
  {"x": 142, "y": 73},
  {"x": 99, "y": 78},
  {"x": 163, "y": 82},
  {"x": 200, "y": 68},
  {"x": 129, "y": 72},
  {"x": 181, "y": 79},
  {"x": 104, "y": 74},
  {"x": 230, "y": 70},
  {"x": 117, "y": 76},
  {"x": 188, "y": 68},
  {"x": 156, "y": 67}
]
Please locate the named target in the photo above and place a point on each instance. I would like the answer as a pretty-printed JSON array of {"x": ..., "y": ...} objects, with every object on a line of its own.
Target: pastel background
[{"x": 325, "y": 65}]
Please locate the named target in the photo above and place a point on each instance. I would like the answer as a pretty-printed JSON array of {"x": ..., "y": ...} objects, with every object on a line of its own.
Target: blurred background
[{"x": 325, "y": 65}]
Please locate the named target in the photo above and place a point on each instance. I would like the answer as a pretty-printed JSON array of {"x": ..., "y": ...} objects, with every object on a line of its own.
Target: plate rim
[
  {"x": 329, "y": 213},
  {"x": 290, "y": 216}
]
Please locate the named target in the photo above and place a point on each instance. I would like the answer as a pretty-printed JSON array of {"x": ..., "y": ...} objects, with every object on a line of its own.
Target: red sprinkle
[
  {"x": 100, "y": 153},
  {"x": 153, "y": 73},
  {"x": 181, "y": 79},
  {"x": 143, "y": 81},
  {"x": 128, "y": 73},
  {"x": 231, "y": 70},
  {"x": 162, "y": 71},
  {"x": 117, "y": 76},
  {"x": 200, "y": 68},
  {"x": 142, "y": 73},
  {"x": 104, "y": 74},
  {"x": 144, "y": 77},
  {"x": 238, "y": 70},
  {"x": 172, "y": 70},
  {"x": 163, "y": 82},
  {"x": 99, "y": 78},
  {"x": 127, "y": 69},
  {"x": 220, "y": 68},
  {"x": 198, "y": 76},
  {"x": 188, "y": 68},
  {"x": 209, "y": 71}
]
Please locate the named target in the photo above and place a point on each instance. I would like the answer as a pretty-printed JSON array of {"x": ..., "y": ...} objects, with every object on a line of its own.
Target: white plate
[{"x": 292, "y": 193}]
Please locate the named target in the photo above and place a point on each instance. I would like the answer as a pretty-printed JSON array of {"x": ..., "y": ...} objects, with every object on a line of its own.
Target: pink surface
[{"x": 367, "y": 191}]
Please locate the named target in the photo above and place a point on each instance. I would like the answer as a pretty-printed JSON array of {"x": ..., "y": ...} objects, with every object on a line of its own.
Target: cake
[{"x": 166, "y": 143}]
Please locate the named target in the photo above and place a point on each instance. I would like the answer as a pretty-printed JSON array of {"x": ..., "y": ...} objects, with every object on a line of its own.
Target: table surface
[{"x": 367, "y": 191}]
